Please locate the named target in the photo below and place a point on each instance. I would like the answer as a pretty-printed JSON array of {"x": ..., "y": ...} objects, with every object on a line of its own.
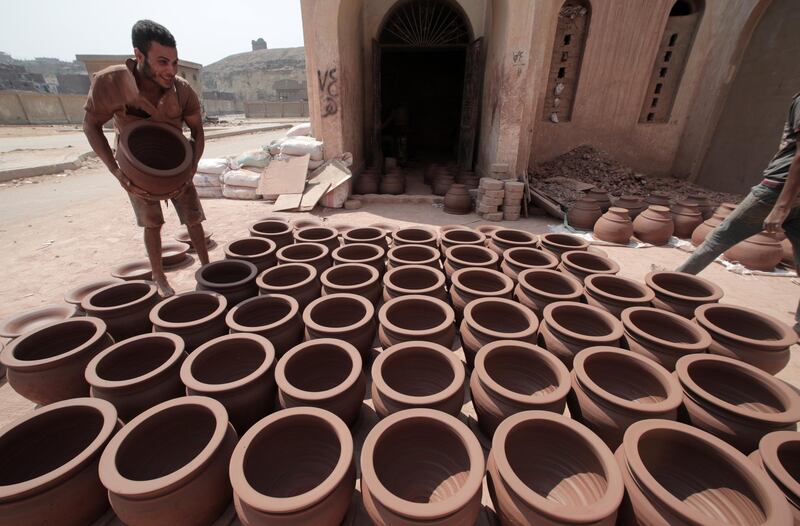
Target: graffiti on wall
[{"x": 329, "y": 91}]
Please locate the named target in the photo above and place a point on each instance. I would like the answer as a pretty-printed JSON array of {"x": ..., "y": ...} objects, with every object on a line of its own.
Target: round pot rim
[
  {"x": 315, "y": 396},
  {"x": 417, "y": 510},
  {"x": 395, "y": 236},
  {"x": 493, "y": 257},
  {"x": 379, "y": 253},
  {"x": 381, "y": 235},
  {"x": 191, "y": 382},
  {"x": 267, "y": 504},
  {"x": 474, "y": 243},
  {"x": 108, "y": 412},
  {"x": 788, "y": 336},
  {"x": 70, "y": 295},
  {"x": 369, "y": 313},
  {"x": 230, "y": 318},
  {"x": 671, "y": 385},
  {"x": 312, "y": 275},
  {"x": 523, "y": 283},
  {"x": 533, "y": 321},
  {"x": 616, "y": 333},
  {"x": 8, "y": 358},
  {"x": 459, "y": 374},
  {"x": 440, "y": 280},
  {"x": 615, "y": 487},
  {"x": 115, "y": 482},
  {"x": 563, "y": 385},
  {"x": 567, "y": 262},
  {"x": 704, "y": 339},
  {"x": 508, "y": 255},
  {"x": 69, "y": 310},
  {"x": 508, "y": 283},
  {"x": 532, "y": 238},
  {"x": 715, "y": 295},
  {"x": 96, "y": 381},
  {"x": 284, "y": 222},
  {"x": 392, "y": 257},
  {"x": 158, "y": 321},
  {"x": 298, "y": 234},
  {"x": 546, "y": 239},
  {"x": 449, "y": 315},
  {"x": 373, "y": 279},
  {"x": 324, "y": 252},
  {"x": 647, "y": 293},
  {"x": 87, "y": 306},
  {"x": 229, "y": 254},
  {"x": 768, "y": 449},
  {"x": 125, "y": 134},
  {"x": 791, "y": 401},
  {"x": 251, "y": 274}
]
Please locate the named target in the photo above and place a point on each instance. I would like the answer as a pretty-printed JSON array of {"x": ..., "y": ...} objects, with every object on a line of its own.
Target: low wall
[
  {"x": 264, "y": 110},
  {"x": 215, "y": 107},
  {"x": 29, "y": 107}
]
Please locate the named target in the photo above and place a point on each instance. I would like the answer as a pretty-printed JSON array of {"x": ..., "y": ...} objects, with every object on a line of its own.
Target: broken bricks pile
[{"x": 499, "y": 200}]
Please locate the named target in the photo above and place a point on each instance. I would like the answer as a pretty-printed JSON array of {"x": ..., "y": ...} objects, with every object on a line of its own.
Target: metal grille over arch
[{"x": 425, "y": 23}]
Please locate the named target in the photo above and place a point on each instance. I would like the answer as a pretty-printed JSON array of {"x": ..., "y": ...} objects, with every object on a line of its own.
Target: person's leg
[
  {"x": 190, "y": 212},
  {"x": 792, "y": 229},
  {"x": 152, "y": 243},
  {"x": 198, "y": 237}
]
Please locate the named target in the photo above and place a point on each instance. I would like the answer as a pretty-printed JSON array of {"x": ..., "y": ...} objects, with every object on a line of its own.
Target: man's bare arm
[
  {"x": 786, "y": 199},
  {"x": 195, "y": 124},
  {"x": 97, "y": 140}
]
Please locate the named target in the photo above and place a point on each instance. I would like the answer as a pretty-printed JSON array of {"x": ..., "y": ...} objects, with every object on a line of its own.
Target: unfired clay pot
[
  {"x": 276, "y": 317},
  {"x": 75, "y": 296},
  {"x": 371, "y": 235},
  {"x": 504, "y": 238},
  {"x": 515, "y": 260},
  {"x": 138, "y": 373},
  {"x": 514, "y": 376},
  {"x": 634, "y": 204},
  {"x": 725, "y": 209},
  {"x": 472, "y": 283},
  {"x": 259, "y": 251},
  {"x": 582, "y": 264},
  {"x": 759, "y": 252},
  {"x": 654, "y": 225},
  {"x": 155, "y": 156},
  {"x": 681, "y": 293},
  {"x": 342, "y": 316},
  {"x": 659, "y": 199},
  {"x": 788, "y": 258},
  {"x": 778, "y": 454},
  {"x": 238, "y": 370},
  {"x": 233, "y": 278},
  {"x": 537, "y": 288},
  {"x": 314, "y": 254},
  {"x": 614, "y": 226},
  {"x": 318, "y": 234},
  {"x": 279, "y": 231},
  {"x": 414, "y": 279},
  {"x": 415, "y": 317},
  {"x": 601, "y": 196},
  {"x": 196, "y": 317},
  {"x": 298, "y": 280},
  {"x": 413, "y": 255},
  {"x": 584, "y": 213},
  {"x": 568, "y": 327},
  {"x": 392, "y": 183},
  {"x": 546, "y": 468},
  {"x": 615, "y": 293},
  {"x": 557, "y": 244},
  {"x": 686, "y": 216},
  {"x": 18, "y": 324},
  {"x": 459, "y": 237},
  {"x": 50, "y": 461},
  {"x": 417, "y": 374},
  {"x": 353, "y": 278},
  {"x": 365, "y": 253},
  {"x": 613, "y": 388},
  {"x": 125, "y": 307},
  {"x": 169, "y": 465},
  {"x": 294, "y": 467},
  {"x": 703, "y": 203},
  {"x": 491, "y": 319},
  {"x": 422, "y": 466},
  {"x": 469, "y": 256},
  {"x": 457, "y": 200},
  {"x": 414, "y": 236},
  {"x": 367, "y": 183},
  {"x": 704, "y": 229}
]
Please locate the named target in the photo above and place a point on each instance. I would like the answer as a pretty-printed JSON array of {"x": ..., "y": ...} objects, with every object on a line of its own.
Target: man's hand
[
  {"x": 128, "y": 185},
  {"x": 774, "y": 221}
]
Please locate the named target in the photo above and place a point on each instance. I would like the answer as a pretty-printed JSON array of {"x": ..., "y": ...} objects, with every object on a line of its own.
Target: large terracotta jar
[
  {"x": 294, "y": 467},
  {"x": 759, "y": 252},
  {"x": 196, "y": 317},
  {"x": 460, "y": 237},
  {"x": 788, "y": 258},
  {"x": 415, "y": 317},
  {"x": 654, "y": 225},
  {"x": 584, "y": 213},
  {"x": 276, "y": 317},
  {"x": 504, "y": 238},
  {"x": 725, "y": 209},
  {"x": 613, "y": 388},
  {"x": 703, "y": 204},
  {"x": 367, "y": 183},
  {"x": 353, "y": 278},
  {"x": 314, "y": 254},
  {"x": 155, "y": 156},
  {"x": 472, "y": 283},
  {"x": 704, "y": 229},
  {"x": 233, "y": 278},
  {"x": 422, "y": 466},
  {"x": 457, "y": 200},
  {"x": 614, "y": 226},
  {"x": 634, "y": 204},
  {"x": 778, "y": 455},
  {"x": 318, "y": 234},
  {"x": 490, "y": 319},
  {"x": 568, "y": 327},
  {"x": 662, "y": 336},
  {"x": 238, "y": 370},
  {"x": 26, "y": 321},
  {"x": 469, "y": 256},
  {"x": 702, "y": 481},
  {"x": 415, "y": 236},
  {"x": 259, "y": 251},
  {"x": 417, "y": 374},
  {"x": 342, "y": 316},
  {"x": 615, "y": 293},
  {"x": 50, "y": 459},
  {"x": 75, "y": 295},
  {"x": 125, "y": 307},
  {"x": 48, "y": 364},
  {"x": 371, "y": 235},
  {"x": 413, "y": 255},
  {"x": 414, "y": 279},
  {"x": 279, "y": 231},
  {"x": 600, "y": 195},
  {"x": 582, "y": 264},
  {"x": 298, "y": 280},
  {"x": 735, "y": 401},
  {"x": 538, "y": 288},
  {"x": 557, "y": 244},
  {"x": 686, "y": 216},
  {"x": 515, "y": 376},
  {"x": 681, "y": 293},
  {"x": 659, "y": 199},
  {"x": 138, "y": 373},
  {"x": 365, "y": 253},
  {"x": 392, "y": 184},
  {"x": 545, "y": 468},
  {"x": 169, "y": 465},
  {"x": 515, "y": 260}
]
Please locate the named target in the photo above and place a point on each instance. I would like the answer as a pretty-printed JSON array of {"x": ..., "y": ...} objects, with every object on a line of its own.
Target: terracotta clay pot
[
  {"x": 279, "y": 231},
  {"x": 502, "y": 239},
  {"x": 75, "y": 296},
  {"x": 472, "y": 283},
  {"x": 345, "y": 317},
  {"x": 568, "y": 327},
  {"x": 50, "y": 456},
  {"x": 659, "y": 199},
  {"x": 515, "y": 260},
  {"x": 686, "y": 216},
  {"x": 460, "y": 237},
  {"x": 538, "y": 288},
  {"x": 156, "y": 157},
  {"x": 662, "y": 336},
  {"x": 294, "y": 467},
  {"x": 371, "y": 235},
  {"x": 233, "y": 278},
  {"x": 583, "y": 264},
  {"x": 169, "y": 465},
  {"x": 414, "y": 279},
  {"x": 613, "y": 388},
  {"x": 557, "y": 244},
  {"x": 788, "y": 253},
  {"x": 681, "y": 293},
  {"x": 725, "y": 209},
  {"x": 654, "y": 225},
  {"x": 133, "y": 271},
  {"x": 138, "y": 373},
  {"x": 515, "y": 376},
  {"x": 702, "y": 481},
  {"x": 413, "y": 255},
  {"x": 747, "y": 335},
  {"x": 457, "y": 200},
  {"x": 778, "y": 454},
  {"x": 393, "y": 184},
  {"x": 545, "y": 468},
  {"x": 353, "y": 278},
  {"x": 421, "y": 466},
  {"x": 414, "y": 236},
  {"x": 441, "y": 184},
  {"x": 276, "y": 317},
  {"x": 194, "y": 316},
  {"x": 183, "y": 237},
  {"x": 615, "y": 293},
  {"x": 417, "y": 374},
  {"x": 298, "y": 280},
  {"x": 703, "y": 203},
  {"x": 365, "y": 253},
  {"x": 704, "y": 229},
  {"x": 318, "y": 234},
  {"x": 614, "y": 226},
  {"x": 16, "y": 325},
  {"x": 487, "y": 230},
  {"x": 314, "y": 254},
  {"x": 759, "y": 252},
  {"x": 174, "y": 254},
  {"x": 237, "y": 370},
  {"x": 259, "y": 251},
  {"x": 367, "y": 183},
  {"x": 735, "y": 401},
  {"x": 634, "y": 204},
  {"x": 125, "y": 307},
  {"x": 415, "y": 317},
  {"x": 491, "y": 319},
  {"x": 600, "y": 195},
  {"x": 584, "y": 213},
  {"x": 469, "y": 256},
  {"x": 324, "y": 373},
  {"x": 305, "y": 222}
]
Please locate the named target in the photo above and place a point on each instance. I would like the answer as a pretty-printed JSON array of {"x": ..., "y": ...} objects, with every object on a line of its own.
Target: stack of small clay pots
[
  {"x": 368, "y": 182},
  {"x": 394, "y": 182}
]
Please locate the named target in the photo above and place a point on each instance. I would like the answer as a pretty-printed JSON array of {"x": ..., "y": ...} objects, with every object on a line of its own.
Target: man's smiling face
[{"x": 160, "y": 65}]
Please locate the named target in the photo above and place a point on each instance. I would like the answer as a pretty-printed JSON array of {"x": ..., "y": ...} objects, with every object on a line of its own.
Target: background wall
[{"x": 28, "y": 107}]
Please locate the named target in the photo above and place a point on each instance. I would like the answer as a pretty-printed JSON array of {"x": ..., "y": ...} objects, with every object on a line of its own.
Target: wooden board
[
  {"x": 287, "y": 202},
  {"x": 284, "y": 176},
  {"x": 313, "y": 194}
]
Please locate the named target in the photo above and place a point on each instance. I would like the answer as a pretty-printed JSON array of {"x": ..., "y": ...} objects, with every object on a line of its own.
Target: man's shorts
[{"x": 187, "y": 205}]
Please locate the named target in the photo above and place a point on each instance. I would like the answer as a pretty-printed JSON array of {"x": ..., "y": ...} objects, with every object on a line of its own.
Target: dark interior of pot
[
  {"x": 358, "y": 252},
  {"x": 286, "y": 275},
  {"x": 625, "y": 377},
  {"x": 664, "y": 326},
  {"x": 743, "y": 323},
  {"x": 120, "y": 294},
  {"x": 459, "y": 235},
  {"x": 698, "y": 475},
  {"x": 264, "y": 310},
  {"x": 319, "y": 367},
  {"x": 165, "y": 442},
  {"x": 789, "y": 457},
  {"x": 471, "y": 254},
  {"x": 224, "y": 272},
  {"x": 413, "y": 278},
  {"x": 302, "y": 252},
  {"x": 252, "y": 246},
  {"x": 191, "y": 307},
  {"x": 314, "y": 234},
  {"x": 156, "y": 148},
  {"x": 565, "y": 240},
  {"x": 228, "y": 361},
  {"x": 421, "y": 460},
  {"x": 135, "y": 358},
  {"x": 551, "y": 283},
  {"x": 736, "y": 386},
  {"x": 417, "y": 371},
  {"x": 682, "y": 284},
  {"x": 481, "y": 280},
  {"x": 582, "y": 320},
  {"x": 272, "y": 227},
  {"x": 500, "y": 317},
  {"x": 619, "y": 287},
  {"x": 364, "y": 234},
  {"x": 414, "y": 235},
  {"x": 589, "y": 261},
  {"x": 416, "y": 315},
  {"x": 55, "y": 340},
  {"x": 530, "y": 257},
  {"x": 414, "y": 254},
  {"x": 291, "y": 456},
  {"x": 520, "y": 370},
  {"x": 338, "y": 312},
  {"x": 514, "y": 236},
  {"x": 556, "y": 462},
  {"x": 347, "y": 276}
]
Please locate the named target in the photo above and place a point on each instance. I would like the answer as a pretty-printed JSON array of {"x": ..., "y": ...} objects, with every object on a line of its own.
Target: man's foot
[{"x": 164, "y": 288}]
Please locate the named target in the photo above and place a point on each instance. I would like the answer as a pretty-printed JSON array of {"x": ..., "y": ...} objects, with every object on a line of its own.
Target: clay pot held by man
[
  {"x": 583, "y": 264},
  {"x": 50, "y": 461},
  {"x": 279, "y": 231},
  {"x": 681, "y": 293},
  {"x": 504, "y": 238},
  {"x": 759, "y": 252},
  {"x": 537, "y": 288},
  {"x": 416, "y": 318},
  {"x": 314, "y": 254},
  {"x": 233, "y": 278},
  {"x": 778, "y": 454},
  {"x": 515, "y": 260},
  {"x": 353, "y": 278},
  {"x": 414, "y": 279},
  {"x": 169, "y": 465},
  {"x": 422, "y": 466},
  {"x": 417, "y": 374},
  {"x": 654, "y": 225},
  {"x": 125, "y": 307},
  {"x": 413, "y": 255},
  {"x": 298, "y": 280},
  {"x": 545, "y": 468},
  {"x": 614, "y": 226},
  {"x": 584, "y": 213},
  {"x": 457, "y": 200},
  {"x": 365, "y": 253},
  {"x": 557, "y": 244},
  {"x": 415, "y": 236},
  {"x": 75, "y": 295},
  {"x": 469, "y": 256},
  {"x": 704, "y": 229},
  {"x": 196, "y": 317},
  {"x": 686, "y": 216},
  {"x": 613, "y": 388},
  {"x": 615, "y": 293},
  {"x": 371, "y": 235},
  {"x": 318, "y": 234},
  {"x": 155, "y": 156},
  {"x": 491, "y": 319},
  {"x": 568, "y": 327},
  {"x": 634, "y": 204},
  {"x": 259, "y": 251},
  {"x": 345, "y": 317},
  {"x": 294, "y": 467},
  {"x": 460, "y": 237}
]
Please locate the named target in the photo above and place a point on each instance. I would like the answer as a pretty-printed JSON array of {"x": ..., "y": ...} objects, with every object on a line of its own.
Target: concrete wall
[
  {"x": 219, "y": 107},
  {"x": 269, "y": 110},
  {"x": 26, "y": 107}
]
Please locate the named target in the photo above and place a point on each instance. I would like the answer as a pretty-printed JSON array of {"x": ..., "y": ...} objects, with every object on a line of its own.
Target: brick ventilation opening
[{"x": 565, "y": 63}]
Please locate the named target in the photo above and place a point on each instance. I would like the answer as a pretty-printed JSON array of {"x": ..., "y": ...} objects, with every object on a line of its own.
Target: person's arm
[
  {"x": 93, "y": 129},
  {"x": 195, "y": 124},
  {"x": 786, "y": 199}
]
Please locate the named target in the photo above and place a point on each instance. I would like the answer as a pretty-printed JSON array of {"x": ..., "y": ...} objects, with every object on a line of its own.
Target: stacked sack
[
  {"x": 242, "y": 181},
  {"x": 208, "y": 179}
]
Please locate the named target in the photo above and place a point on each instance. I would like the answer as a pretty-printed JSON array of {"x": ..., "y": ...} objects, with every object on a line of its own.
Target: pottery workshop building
[{"x": 695, "y": 88}]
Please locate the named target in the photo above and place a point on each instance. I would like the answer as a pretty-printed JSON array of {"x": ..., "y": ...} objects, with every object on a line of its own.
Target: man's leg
[
  {"x": 198, "y": 237},
  {"x": 792, "y": 229},
  {"x": 190, "y": 212},
  {"x": 152, "y": 243}
]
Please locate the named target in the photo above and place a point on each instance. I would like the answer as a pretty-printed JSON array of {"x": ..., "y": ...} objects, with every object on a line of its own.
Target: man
[
  {"x": 772, "y": 205},
  {"x": 149, "y": 88}
]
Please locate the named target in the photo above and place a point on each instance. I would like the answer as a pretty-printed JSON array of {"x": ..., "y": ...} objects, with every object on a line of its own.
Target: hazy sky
[{"x": 205, "y": 31}]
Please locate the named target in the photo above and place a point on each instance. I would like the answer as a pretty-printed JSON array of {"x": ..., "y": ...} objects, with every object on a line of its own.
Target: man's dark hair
[{"x": 146, "y": 31}]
